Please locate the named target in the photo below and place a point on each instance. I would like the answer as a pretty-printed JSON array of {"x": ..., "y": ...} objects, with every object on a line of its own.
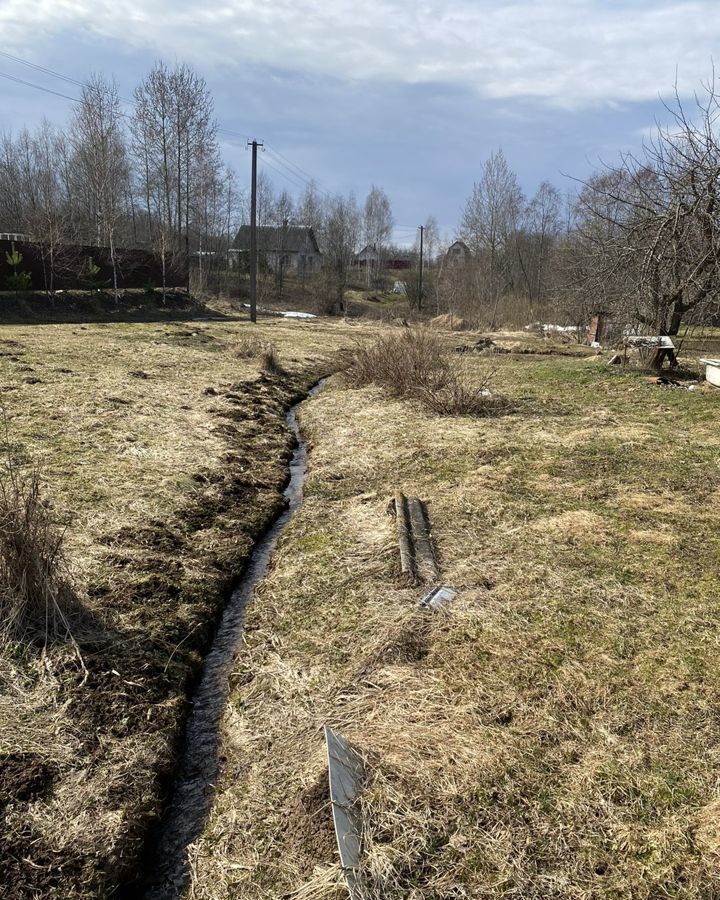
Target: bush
[
  {"x": 19, "y": 281},
  {"x": 90, "y": 276},
  {"x": 249, "y": 347},
  {"x": 415, "y": 364},
  {"x": 37, "y": 598},
  {"x": 269, "y": 361}
]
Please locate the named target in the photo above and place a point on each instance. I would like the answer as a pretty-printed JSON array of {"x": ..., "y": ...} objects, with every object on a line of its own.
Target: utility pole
[
  {"x": 253, "y": 233},
  {"x": 420, "y": 288}
]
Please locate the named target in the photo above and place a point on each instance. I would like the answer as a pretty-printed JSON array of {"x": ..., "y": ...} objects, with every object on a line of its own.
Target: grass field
[
  {"x": 556, "y": 733},
  {"x": 162, "y": 455}
]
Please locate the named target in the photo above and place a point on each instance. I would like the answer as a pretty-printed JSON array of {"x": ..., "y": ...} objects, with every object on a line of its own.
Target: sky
[{"x": 410, "y": 96}]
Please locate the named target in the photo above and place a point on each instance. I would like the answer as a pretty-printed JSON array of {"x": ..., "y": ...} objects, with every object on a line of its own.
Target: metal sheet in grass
[
  {"x": 438, "y": 598},
  {"x": 346, "y": 774}
]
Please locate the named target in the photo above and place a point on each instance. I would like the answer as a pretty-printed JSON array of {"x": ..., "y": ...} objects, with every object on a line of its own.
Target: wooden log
[
  {"x": 407, "y": 560},
  {"x": 425, "y": 564}
]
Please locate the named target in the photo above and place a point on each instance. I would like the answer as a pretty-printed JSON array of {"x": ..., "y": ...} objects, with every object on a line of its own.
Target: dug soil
[
  {"x": 142, "y": 659},
  {"x": 96, "y": 306}
]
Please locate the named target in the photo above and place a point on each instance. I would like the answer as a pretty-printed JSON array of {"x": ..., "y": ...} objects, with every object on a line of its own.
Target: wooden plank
[
  {"x": 407, "y": 558},
  {"x": 425, "y": 564}
]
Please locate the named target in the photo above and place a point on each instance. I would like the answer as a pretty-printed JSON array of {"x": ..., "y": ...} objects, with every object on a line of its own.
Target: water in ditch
[{"x": 168, "y": 874}]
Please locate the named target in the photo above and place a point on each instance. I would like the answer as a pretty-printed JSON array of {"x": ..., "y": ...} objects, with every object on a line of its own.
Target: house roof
[
  {"x": 460, "y": 245},
  {"x": 289, "y": 239}
]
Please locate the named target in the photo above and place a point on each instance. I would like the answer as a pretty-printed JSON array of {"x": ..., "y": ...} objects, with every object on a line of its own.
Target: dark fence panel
[{"x": 62, "y": 268}]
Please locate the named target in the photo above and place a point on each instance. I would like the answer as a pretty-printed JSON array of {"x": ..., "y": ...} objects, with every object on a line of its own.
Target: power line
[
  {"x": 296, "y": 175},
  {"x": 300, "y": 170},
  {"x": 38, "y": 87},
  {"x": 297, "y": 184},
  {"x": 39, "y": 68}
]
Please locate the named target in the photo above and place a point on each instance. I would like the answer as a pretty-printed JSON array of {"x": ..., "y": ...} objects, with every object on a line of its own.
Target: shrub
[
  {"x": 269, "y": 361},
  {"x": 18, "y": 281},
  {"x": 90, "y": 277},
  {"x": 249, "y": 347},
  {"x": 37, "y": 598},
  {"x": 415, "y": 364}
]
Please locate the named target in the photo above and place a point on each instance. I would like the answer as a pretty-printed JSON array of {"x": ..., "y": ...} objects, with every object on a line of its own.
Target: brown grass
[
  {"x": 269, "y": 361},
  {"x": 416, "y": 364},
  {"x": 553, "y": 733},
  {"x": 159, "y": 485},
  {"x": 37, "y": 599}
]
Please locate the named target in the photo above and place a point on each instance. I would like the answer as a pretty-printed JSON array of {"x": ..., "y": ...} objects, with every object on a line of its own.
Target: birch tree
[
  {"x": 101, "y": 161},
  {"x": 489, "y": 225}
]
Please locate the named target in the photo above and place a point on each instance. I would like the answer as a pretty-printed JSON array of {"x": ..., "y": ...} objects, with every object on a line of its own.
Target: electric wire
[{"x": 293, "y": 173}]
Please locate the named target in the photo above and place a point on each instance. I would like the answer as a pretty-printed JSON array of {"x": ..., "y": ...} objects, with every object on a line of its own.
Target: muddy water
[{"x": 168, "y": 874}]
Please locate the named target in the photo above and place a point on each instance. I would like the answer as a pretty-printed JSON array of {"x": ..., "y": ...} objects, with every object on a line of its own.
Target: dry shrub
[
  {"x": 269, "y": 361},
  {"x": 415, "y": 364},
  {"x": 37, "y": 598},
  {"x": 253, "y": 347},
  {"x": 249, "y": 347}
]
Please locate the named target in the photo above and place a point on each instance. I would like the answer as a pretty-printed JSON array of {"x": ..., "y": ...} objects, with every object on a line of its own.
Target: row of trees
[
  {"x": 638, "y": 241},
  {"x": 148, "y": 177}
]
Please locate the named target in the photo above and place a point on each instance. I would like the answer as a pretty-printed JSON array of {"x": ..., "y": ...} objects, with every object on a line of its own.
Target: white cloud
[{"x": 568, "y": 52}]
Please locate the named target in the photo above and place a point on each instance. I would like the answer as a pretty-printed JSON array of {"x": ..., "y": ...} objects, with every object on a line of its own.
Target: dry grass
[
  {"x": 554, "y": 734},
  {"x": 269, "y": 361},
  {"x": 249, "y": 347},
  {"x": 417, "y": 364},
  {"x": 162, "y": 455},
  {"x": 37, "y": 599}
]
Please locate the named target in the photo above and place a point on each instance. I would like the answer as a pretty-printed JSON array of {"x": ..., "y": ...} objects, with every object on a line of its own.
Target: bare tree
[
  {"x": 339, "y": 239},
  {"x": 175, "y": 146},
  {"x": 377, "y": 229},
  {"x": 101, "y": 160},
  {"x": 489, "y": 225},
  {"x": 653, "y": 222},
  {"x": 540, "y": 228}
]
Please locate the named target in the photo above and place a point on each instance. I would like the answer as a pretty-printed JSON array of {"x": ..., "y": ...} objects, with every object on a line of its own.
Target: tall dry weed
[
  {"x": 415, "y": 364},
  {"x": 37, "y": 598}
]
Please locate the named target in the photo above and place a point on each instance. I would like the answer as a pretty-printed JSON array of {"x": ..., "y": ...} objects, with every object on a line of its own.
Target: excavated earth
[{"x": 139, "y": 676}]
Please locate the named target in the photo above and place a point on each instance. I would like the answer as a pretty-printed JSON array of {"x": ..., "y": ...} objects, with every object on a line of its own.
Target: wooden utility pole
[
  {"x": 420, "y": 287},
  {"x": 253, "y": 233}
]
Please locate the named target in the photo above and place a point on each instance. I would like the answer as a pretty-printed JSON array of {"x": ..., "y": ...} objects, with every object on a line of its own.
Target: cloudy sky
[{"x": 412, "y": 96}]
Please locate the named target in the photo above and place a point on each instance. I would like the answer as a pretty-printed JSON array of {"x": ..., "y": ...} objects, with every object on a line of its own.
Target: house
[
  {"x": 287, "y": 248},
  {"x": 458, "y": 255},
  {"x": 368, "y": 256},
  {"x": 391, "y": 259}
]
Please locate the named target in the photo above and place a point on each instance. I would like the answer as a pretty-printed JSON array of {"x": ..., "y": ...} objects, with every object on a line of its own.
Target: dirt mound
[
  {"x": 309, "y": 831},
  {"x": 93, "y": 306}
]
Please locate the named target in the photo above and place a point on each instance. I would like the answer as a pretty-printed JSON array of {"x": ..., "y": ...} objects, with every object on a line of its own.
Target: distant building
[
  {"x": 292, "y": 248},
  {"x": 370, "y": 256},
  {"x": 458, "y": 255}
]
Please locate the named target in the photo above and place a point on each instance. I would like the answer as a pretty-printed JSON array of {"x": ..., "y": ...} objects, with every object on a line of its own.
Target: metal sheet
[
  {"x": 438, "y": 598},
  {"x": 346, "y": 773}
]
